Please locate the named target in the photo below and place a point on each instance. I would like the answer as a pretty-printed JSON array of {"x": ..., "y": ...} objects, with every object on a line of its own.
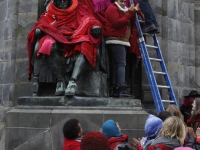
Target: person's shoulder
[{"x": 112, "y": 7}]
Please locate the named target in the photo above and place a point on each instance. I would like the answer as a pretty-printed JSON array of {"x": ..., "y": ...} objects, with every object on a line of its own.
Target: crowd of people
[{"x": 166, "y": 131}]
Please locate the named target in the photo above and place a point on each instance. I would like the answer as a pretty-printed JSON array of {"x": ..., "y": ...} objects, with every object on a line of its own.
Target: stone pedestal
[{"x": 40, "y": 127}]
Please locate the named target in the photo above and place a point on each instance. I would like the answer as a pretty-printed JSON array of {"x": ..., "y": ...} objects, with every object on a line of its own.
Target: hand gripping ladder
[{"x": 149, "y": 70}]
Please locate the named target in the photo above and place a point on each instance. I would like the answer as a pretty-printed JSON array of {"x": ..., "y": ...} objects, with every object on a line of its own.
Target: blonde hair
[
  {"x": 173, "y": 128},
  {"x": 174, "y": 110}
]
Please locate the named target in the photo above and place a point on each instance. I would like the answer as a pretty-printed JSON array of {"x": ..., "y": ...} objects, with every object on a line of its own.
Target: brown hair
[
  {"x": 174, "y": 110},
  {"x": 173, "y": 128},
  {"x": 196, "y": 114}
]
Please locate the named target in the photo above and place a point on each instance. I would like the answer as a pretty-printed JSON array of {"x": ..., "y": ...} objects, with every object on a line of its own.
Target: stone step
[{"x": 42, "y": 126}]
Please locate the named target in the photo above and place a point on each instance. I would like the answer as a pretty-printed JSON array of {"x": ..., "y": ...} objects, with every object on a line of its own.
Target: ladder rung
[
  {"x": 159, "y": 72},
  {"x": 151, "y": 46},
  {"x": 168, "y": 101},
  {"x": 164, "y": 86},
  {"x": 141, "y": 21},
  {"x": 147, "y": 34},
  {"x": 155, "y": 59}
]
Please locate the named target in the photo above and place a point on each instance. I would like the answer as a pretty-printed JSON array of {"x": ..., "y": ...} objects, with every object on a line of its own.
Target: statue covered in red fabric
[{"x": 69, "y": 29}]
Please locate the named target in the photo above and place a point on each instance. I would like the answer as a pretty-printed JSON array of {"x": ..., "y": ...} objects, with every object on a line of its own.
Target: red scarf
[{"x": 71, "y": 27}]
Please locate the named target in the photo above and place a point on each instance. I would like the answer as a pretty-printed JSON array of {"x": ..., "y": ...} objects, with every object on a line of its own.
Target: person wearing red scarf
[{"x": 68, "y": 24}]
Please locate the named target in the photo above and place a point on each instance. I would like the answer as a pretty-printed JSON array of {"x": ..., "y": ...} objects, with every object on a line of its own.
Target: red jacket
[
  {"x": 160, "y": 147},
  {"x": 71, "y": 144},
  {"x": 117, "y": 21}
]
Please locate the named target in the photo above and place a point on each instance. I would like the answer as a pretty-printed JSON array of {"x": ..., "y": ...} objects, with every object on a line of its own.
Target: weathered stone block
[
  {"x": 16, "y": 137},
  {"x": 30, "y": 6},
  {"x": 24, "y": 118},
  {"x": 183, "y": 12},
  {"x": 164, "y": 7},
  {"x": 172, "y": 10},
  {"x": 25, "y": 23},
  {"x": 182, "y": 30},
  {"x": 172, "y": 51},
  {"x": 192, "y": 77},
  {"x": 3, "y": 10},
  {"x": 192, "y": 54},
  {"x": 21, "y": 51},
  {"x": 1, "y": 95},
  {"x": 191, "y": 17},
  {"x": 12, "y": 8},
  {"x": 174, "y": 73},
  {"x": 197, "y": 54},
  {"x": 6, "y": 70},
  {"x": 165, "y": 27},
  {"x": 197, "y": 37},
  {"x": 173, "y": 30},
  {"x": 183, "y": 54},
  {"x": 21, "y": 70},
  {"x": 26, "y": 87},
  {"x": 91, "y": 119},
  {"x": 191, "y": 34},
  {"x": 198, "y": 77},
  {"x": 8, "y": 92},
  {"x": 197, "y": 16}
]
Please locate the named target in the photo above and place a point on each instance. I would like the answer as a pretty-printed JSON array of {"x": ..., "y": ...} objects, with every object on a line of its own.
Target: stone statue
[{"x": 66, "y": 32}]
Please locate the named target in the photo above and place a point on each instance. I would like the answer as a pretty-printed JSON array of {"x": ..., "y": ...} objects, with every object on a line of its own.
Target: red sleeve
[
  {"x": 114, "y": 17},
  {"x": 151, "y": 147},
  {"x": 197, "y": 139},
  {"x": 139, "y": 147}
]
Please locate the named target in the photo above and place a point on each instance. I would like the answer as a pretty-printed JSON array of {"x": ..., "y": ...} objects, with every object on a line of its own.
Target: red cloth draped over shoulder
[{"x": 71, "y": 27}]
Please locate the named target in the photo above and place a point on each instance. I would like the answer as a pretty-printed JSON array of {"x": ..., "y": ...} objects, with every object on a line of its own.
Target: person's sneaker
[{"x": 149, "y": 29}]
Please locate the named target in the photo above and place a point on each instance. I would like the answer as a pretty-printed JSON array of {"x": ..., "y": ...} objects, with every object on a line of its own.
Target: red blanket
[{"x": 71, "y": 27}]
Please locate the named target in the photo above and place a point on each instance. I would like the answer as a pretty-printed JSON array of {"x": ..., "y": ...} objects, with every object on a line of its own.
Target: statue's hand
[{"x": 96, "y": 31}]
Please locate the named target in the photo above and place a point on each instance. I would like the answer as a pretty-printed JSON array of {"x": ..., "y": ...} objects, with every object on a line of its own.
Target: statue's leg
[
  {"x": 80, "y": 66},
  {"x": 56, "y": 63}
]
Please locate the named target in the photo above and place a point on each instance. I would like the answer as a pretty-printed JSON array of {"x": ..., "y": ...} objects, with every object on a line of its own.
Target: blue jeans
[
  {"x": 149, "y": 15},
  {"x": 118, "y": 63}
]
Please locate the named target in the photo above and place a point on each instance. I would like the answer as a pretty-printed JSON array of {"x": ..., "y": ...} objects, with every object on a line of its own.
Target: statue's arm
[{"x": 96, "y": 31}]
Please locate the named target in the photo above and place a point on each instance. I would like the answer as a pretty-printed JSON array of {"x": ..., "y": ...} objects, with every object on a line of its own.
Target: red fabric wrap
[
  {"x": 71, "y": 27},
  {"x": 71, "y": 144},
  {"x": 114, "y": 141}
]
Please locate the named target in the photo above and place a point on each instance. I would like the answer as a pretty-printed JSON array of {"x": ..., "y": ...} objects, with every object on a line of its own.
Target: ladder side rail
[
  {"x": 164, "y": 69},
  {"x": 149, "y": 70}
]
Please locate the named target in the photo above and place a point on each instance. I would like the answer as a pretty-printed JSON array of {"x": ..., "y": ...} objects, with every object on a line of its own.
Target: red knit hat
[{"x": 94, "y": 141}]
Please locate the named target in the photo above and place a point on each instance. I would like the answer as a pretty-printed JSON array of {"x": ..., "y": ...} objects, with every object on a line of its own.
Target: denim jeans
[
  {"x": 118, "y": 63},
  {"x": 149, "y": 15}
]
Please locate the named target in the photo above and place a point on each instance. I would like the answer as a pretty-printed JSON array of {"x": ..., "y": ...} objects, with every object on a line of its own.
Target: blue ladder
[{"x": 151, "y": 73}]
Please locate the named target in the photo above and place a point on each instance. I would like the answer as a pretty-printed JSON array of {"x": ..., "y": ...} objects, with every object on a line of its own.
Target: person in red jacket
[
  {"x": 94, "y": 141},
  {"x": 112, "y": 131},
  {"x": 118, "y": 33},
  {"x": 72, "y": 131},
  {"x": 171, "y": 135}
]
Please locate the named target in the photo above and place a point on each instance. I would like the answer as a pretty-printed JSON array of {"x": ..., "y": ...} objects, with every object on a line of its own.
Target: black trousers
[{"x": 117, "y": 54}]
